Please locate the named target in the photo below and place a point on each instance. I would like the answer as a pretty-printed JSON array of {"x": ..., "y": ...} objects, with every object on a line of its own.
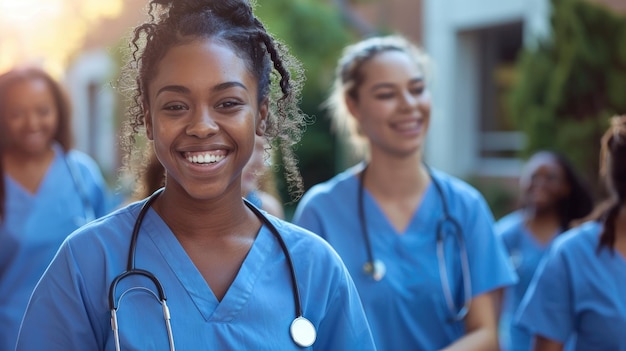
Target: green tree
[
  {"x": 315, "y": 33},
  {"x": 570, "y": 84}
]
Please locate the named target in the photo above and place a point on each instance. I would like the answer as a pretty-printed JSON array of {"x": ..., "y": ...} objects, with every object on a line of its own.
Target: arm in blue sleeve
[
  {"x": 56, "y": 317},
  {"x": 546, "y": 307},
  {"x": 345, "y": 326}
]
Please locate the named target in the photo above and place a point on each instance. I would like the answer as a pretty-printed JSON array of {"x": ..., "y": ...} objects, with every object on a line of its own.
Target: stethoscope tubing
[
  {"x": 132, "y": 270},
  {"x": 370, "y": 266}
]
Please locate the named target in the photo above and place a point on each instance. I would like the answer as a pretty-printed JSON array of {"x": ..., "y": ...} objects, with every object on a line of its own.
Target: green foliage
[
  {"x": 315, "y": 34},
  {"x": 501, "y": 195},
  {"x": 568, "y": 86}
]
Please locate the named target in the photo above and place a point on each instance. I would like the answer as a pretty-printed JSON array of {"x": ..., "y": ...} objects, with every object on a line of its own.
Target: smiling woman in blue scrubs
[
  {"x": 418, "y": 243},
  {"x": 553, "y": 197},
  {"x": 47, "y": 189},
  {"x": 577, "y": 299},
  {"x": 207, "y": 271}
]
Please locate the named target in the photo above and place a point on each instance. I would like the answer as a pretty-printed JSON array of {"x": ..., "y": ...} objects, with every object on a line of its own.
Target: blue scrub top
[
  {"x": 525, "y": 253},
  {"x": 70, "y": 310},
  {"x": 36, "y": 224},
  {"x": 578, "y": 295},
  {"x": 407, "y": 309}
]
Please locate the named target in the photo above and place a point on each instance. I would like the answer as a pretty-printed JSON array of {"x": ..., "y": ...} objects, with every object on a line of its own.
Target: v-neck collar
[
  {"x": 56, "y": 161},
  {"x": 240, "y": 291},
  {"x": 377, "y": 217}
]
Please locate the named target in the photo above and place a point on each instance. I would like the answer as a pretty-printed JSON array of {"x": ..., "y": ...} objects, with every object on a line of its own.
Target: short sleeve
[
  {"x": 546, "y": 308},
  {"x": 93, "y": 183},
  {"x": 345, "y": 326},
  {"x": 490, "y": 265}
]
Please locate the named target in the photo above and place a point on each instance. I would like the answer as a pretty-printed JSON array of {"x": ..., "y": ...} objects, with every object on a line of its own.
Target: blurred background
[{"x": 509, "y": 77}]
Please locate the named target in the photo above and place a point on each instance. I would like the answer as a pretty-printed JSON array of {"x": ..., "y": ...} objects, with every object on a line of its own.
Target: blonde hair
[{"x": 348, "y": 78}]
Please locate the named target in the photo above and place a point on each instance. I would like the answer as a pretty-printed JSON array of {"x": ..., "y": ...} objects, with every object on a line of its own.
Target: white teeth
[{"x": 205, "y": 158}]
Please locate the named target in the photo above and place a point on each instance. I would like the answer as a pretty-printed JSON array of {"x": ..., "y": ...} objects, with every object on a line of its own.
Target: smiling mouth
[
  {"x": 203, "y": 157},
  {"x": 408, "y": 125}
]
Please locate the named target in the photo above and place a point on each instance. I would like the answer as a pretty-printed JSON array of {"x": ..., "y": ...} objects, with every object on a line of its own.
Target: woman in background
[
  {"x": 577, "y": 298},
  {"x": 553, "y": 196},
  {"x": 47, "y": 189},
  {"x": 418, "y": 243}
]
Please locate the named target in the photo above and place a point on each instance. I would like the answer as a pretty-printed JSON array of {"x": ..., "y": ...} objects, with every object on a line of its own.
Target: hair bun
[{"x": 237, "y": 11}]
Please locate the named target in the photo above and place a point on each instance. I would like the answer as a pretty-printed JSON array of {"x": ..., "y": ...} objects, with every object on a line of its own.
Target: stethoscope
[
  {"x": 89, "y": 211},
  {"x": 377, "y": 269},
  {"x": 301, "y": 329}
]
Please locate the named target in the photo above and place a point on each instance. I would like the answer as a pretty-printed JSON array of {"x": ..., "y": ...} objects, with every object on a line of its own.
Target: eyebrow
[
  {"x": 389, "y": 85},
  {"x": 184, "y": 90}
]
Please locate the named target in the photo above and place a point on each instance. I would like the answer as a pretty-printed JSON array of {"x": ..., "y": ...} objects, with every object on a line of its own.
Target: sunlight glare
[{"x": 48, "y": 32}]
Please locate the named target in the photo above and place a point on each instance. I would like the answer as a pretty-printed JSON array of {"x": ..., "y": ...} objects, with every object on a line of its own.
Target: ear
[
  {"x": 147, "y": 118},
  {"x": 261, "y": 123},
  {"x": 351, "y": 105}
]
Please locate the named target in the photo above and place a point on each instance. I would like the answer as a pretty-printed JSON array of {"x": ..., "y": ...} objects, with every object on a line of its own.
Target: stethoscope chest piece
[
  {"x": 302, "y": 332},
  {"x": 377, "y": 269}
]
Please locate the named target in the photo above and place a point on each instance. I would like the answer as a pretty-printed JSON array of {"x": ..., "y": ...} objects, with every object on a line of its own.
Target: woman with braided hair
[
  {"x": 194, "y": 266},
  {"x": 577, "y": 299}
]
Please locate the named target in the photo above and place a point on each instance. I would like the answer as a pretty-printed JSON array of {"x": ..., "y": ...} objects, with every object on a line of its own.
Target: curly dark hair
[{"x": 232, "y": 23}]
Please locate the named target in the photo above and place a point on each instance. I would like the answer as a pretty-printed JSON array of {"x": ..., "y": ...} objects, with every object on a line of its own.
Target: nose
[
  {"x": 31, "y": 120},
  {"x": 411, "y": 101},
  {"x": 202, "y": 124}
]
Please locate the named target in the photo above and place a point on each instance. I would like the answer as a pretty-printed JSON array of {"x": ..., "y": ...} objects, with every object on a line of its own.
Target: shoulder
[
  {"x": 305, "y": 245},
  {"x": 81, "y": 158},
  {"x": 452, "y": 185},
  {"x": 334, "y": 188},
  {"x": 510, "y": 224},
  {"x": 81, "y": 162},
  {"x": 105, "y": 233},
  {"x": 579, "y": 241},
  {"x": 457, "y": 192}
]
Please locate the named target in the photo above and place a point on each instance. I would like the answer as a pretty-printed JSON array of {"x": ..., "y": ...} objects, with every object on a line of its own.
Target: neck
[
  {"x": 205, "y": 220},
  {"x": 542, "y": 224},
  {"x": 395, "y": 177},
  {"x": 541, "y": 215},
  {"x": 15, "y": 159}
]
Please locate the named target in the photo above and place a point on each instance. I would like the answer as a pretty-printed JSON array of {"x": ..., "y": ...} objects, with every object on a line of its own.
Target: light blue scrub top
[
  {"x": 407, "y": 309},
  {"x": 34, "y": 227},
  {"x": 578, "y": 295},
  {"x": 70, "y": 310},
  {"x": 525, "y": 253}
]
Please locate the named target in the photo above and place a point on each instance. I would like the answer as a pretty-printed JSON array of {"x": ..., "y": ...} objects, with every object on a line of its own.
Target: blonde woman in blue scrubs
[{"x": 384, "y": 216}]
